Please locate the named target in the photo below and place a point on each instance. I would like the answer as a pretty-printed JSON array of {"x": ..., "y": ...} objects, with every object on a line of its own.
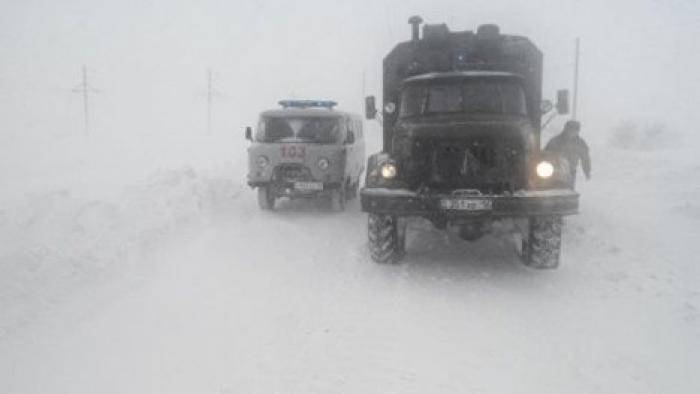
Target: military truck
[
  {"x": 462, "y": 115},
  {"x": 306, "y": 149}
]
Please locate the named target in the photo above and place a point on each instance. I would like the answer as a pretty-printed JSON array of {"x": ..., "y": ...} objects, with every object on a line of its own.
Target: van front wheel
[
  {"x": 266, "y": 199},
  {"x": 354, "y": 190},
  {"x": 338, "y": 198}
]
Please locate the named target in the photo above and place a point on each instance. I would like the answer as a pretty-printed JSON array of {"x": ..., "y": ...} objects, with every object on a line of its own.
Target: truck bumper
[{"x": 403, "y": 202}]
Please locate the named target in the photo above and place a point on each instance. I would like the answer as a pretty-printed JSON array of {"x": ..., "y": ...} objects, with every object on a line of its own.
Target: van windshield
[
  {"x": 500, "y": 97},
  {"x": 299, "y": 129}
]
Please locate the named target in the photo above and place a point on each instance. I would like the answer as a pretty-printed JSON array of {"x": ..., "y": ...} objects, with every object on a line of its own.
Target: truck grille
[{"x": 480, "y": 164}]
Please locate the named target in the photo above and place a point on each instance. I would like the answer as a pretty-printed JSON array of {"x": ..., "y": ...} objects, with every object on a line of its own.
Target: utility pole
[
  {"x": 209, "y": 101},
  {"x": 211, "y": 94},
  {"x": 575, "y": 101},
  {"x": 85, "y": 89},
  {"x": 364, "y": 93}
]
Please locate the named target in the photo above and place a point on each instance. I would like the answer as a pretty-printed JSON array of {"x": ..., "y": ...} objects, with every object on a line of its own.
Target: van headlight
[
  {"x": 263, "y": 161},
  {"x": 323, "y": 163},
  {"x": 388, "y": 170},
  {"x": 544, "y": 169}
]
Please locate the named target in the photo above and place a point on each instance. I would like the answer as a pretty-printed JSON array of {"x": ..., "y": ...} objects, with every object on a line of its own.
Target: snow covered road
[{"x": 289, "y": 302}]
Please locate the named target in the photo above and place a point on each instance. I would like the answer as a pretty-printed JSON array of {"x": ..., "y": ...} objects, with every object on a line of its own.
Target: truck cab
[
  {"x": 306, "y": 149},
  {"x": 461, "y": 143},
  {"x": 463, "y": 130}
]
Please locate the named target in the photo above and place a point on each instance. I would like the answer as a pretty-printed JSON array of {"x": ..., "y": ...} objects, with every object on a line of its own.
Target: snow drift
[{"x": 57, "y": 241}]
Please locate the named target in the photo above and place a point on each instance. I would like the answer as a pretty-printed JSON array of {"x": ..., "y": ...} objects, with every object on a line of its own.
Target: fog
[
  {"x": 149, "y": 59},
  {"x": 133, "y": 257}
]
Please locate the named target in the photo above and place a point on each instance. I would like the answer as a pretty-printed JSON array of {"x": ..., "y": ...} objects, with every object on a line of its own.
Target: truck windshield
[
  {"x": 492, "y": 97},
  {"x": 308, "y": 129}
]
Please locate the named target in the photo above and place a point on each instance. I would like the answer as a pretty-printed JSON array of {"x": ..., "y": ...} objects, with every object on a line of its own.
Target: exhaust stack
[
  {"x": 488, "y": 32},
  {"x": 415, "y": 21}
]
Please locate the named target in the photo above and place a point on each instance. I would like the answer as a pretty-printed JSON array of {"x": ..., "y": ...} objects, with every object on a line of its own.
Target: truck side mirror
[
  {"x": 248, "y": 133},
  {"x": 562, "y": 101},
  {"x": 370, "y": 107}
]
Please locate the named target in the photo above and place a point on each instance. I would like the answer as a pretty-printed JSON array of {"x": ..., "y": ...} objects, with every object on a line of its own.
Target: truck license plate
[
  {"x": 308, "y": 186},
  {"x": 466, "y": 205}
]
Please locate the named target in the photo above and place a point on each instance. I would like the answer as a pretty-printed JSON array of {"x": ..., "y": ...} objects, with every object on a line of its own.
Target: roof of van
[{"x": 306, "y": 112}]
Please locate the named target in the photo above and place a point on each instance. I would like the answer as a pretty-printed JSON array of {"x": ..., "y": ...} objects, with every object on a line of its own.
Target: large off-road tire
[
  {"x": 387, "y": 238},
  {"x": 338, "y": 198},
  {"x": 266, "y": 199},
  {"x": 543, "y": 247}
]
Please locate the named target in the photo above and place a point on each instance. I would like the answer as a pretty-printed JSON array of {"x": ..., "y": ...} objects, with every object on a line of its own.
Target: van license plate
[
  {"x": 308, "y": 186},
  {"x": 466, "y": 205}
]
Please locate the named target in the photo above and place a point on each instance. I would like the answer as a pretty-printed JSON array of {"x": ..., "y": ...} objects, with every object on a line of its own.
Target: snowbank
[{"x": 55, "y": 241}]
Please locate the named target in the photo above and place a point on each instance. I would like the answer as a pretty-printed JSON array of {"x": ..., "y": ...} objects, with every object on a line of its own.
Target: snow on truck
[
  {"x": 306, "y": 149},
  {"x": 461, "y": 143}
]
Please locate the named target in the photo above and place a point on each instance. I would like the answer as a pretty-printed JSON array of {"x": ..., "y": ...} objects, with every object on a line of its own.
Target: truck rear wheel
[
  {"x": 544, "y": 242},
  {"x": 386, "y": 238},
  {"x": 266, "y": 199}
]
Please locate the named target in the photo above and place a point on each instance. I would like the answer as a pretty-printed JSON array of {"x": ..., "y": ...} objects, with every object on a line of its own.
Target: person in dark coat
[{"x": 569, "y": 145}]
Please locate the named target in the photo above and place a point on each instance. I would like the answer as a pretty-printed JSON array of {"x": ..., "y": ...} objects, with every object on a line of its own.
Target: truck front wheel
[
  {"x": 544, "y": 242},
  {"x": 266, "y": 199},
  {"x": 386, "y": 238}
]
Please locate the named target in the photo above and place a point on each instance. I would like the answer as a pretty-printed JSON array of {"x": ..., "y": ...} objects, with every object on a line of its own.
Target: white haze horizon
[{"x": 148, "y": 60}]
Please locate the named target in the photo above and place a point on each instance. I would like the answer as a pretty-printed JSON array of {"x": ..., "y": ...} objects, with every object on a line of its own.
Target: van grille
[{"x": 292, "y": 173}]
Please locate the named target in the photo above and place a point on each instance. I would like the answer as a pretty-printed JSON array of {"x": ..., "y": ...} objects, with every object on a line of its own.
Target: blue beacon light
[{"x": 308, "y": 104}]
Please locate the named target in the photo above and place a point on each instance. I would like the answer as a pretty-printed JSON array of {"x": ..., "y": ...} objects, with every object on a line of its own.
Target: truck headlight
[
  {"x": 388, "y": 171},
  {"x": 323, "y": 163},
  {"x": 263, "y": 161},
  {"x": 544, "y": 169}
]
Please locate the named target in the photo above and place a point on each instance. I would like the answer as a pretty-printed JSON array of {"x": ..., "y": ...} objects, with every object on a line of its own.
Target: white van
[{"x": 306, "y": 149}]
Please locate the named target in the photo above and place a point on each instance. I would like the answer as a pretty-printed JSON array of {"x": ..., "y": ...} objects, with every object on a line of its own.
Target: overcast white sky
[{"x": 640, "y": 58}]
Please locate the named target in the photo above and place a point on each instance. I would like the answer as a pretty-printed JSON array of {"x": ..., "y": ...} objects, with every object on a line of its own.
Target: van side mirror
[
  {"x": 248, "y": 133},
  {"x": 350, "y": 138},
  {"x": 370, "y": 107},
  {"x": 562, "y": 102},
  {"x": 546, "y": 106}
]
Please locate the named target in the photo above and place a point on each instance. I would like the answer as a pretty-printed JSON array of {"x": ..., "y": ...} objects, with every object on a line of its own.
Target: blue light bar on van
[{"x": 307, "y": 104}]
